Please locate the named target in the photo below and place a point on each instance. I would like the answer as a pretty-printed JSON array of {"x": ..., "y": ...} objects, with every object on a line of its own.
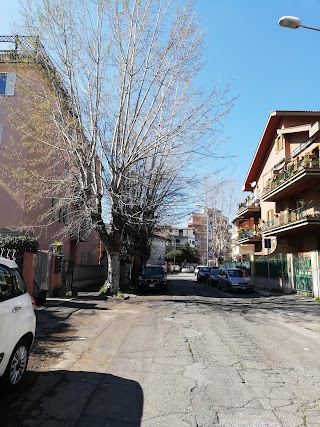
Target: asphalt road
[{"x": 192, "y": 357}]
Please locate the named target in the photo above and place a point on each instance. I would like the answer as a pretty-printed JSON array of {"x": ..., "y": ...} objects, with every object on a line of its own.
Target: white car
[
  {"x": 187, "y": 269},
  {"x": 17, "y": 324}
]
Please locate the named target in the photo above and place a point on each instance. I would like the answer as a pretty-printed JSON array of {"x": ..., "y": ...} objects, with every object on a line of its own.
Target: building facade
[
  {"x": 19, "y": 63},
  {"x": 212, "y": 235},
  {"x": 282, "y": 213},
  {"x": 179, "y": 236}
]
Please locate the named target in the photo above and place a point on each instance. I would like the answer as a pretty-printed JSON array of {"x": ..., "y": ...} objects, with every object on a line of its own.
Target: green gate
[{"x": 303, "y": 274}]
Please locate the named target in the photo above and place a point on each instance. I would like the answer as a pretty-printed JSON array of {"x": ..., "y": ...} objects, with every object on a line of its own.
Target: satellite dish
[{"x": 253, "y": 184}]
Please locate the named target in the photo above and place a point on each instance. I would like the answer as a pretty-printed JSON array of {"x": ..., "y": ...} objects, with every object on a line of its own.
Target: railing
[
  {"x": 248, "y": 232},
  {"x": 248, "y": 203},
  {"x": 29, "y": 48},
  {"x": 292, "y": 169},
  {"x": 291, "y": 216},
  {"x": 14, "y": 56}
]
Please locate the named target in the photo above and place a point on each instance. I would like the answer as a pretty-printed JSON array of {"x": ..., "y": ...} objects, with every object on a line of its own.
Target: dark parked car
[
  {"x": 153, "y": 277},
  {"x": 203, "y": 274},
  {"x": 213, "y": 278},
  {"x": 234, "y": 279}
]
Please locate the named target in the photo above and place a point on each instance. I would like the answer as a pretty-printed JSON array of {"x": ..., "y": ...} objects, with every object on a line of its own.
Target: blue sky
[{"x": 271, "y": 68}]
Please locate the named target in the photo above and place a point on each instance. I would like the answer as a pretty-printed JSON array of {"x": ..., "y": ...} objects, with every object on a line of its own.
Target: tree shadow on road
[{"x": 64, "y": 398}]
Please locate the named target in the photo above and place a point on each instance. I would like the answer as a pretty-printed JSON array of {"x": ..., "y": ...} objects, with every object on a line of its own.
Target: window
[
  {"x": 7, "y": 83},
  {"x": 3, "y": 80},
  {"x": 278, "y": 143},
  {"x": 270, "y": 215},
  {"x": 11, "y": 283},
  {"x": 237, "y": 273},
  {"x": 54, "y": 209},
  {"x": 63, "y": 215},
  {"x": 180, "y": 233}
]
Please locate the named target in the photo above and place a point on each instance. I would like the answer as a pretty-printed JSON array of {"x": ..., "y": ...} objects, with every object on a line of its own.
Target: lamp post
[{"x": 294, "y": 23}]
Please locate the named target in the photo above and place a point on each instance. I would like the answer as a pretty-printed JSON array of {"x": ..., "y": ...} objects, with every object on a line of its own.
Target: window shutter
[{"x": 10, "y": 84}]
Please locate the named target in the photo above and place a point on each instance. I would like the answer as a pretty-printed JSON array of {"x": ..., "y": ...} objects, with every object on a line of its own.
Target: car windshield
[
  {"x": 237, "y": 273},
  {"x": 152, "y": 270},
  {"x": 205, "y": 269}
]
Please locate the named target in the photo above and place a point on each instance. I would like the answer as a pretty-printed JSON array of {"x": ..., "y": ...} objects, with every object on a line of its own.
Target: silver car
[{"x": 234, "y": 279}]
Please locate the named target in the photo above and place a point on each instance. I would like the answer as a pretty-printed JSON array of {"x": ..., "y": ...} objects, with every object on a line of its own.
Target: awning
[{"x": 279, "y": 165}]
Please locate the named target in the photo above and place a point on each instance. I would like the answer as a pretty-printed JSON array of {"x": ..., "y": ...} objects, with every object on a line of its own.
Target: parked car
[
  {"x": 17, "y": 325},
  {"x": 187, "y": 269},
  {"x": 213, "y": 278},
  {"x": 234, "y": 279},
  {"x": 197, "y": 268},
  {"x": 203, "y": 274},
  {"x": 153, "y": 277}
]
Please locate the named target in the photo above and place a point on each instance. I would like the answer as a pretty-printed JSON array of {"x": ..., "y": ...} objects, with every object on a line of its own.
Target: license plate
[
  {"x": 243, "y": 287},
  {"x": 151, "y": 285}
]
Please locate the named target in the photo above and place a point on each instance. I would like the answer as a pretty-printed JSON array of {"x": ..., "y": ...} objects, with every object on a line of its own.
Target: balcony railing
[
  {"x": 291, "y": 217},
  {"x": 249, "y": 202},
  {"x": 292, "y": 168},
  {"x": 247, "y": 233}
]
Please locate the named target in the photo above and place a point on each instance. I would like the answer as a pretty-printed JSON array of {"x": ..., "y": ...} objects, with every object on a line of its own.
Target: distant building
[
  {"x": 158, "y": 249},
  {"x": 179, "y": 236},
  {"x": 212, "y": 235}
]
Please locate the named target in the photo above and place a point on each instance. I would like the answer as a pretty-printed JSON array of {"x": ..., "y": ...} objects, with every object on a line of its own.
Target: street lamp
[{"x": 294, "y": 23}]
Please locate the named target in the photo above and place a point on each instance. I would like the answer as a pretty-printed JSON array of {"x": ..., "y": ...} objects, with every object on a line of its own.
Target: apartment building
[
  {"x": 20, "y": 60},
  {"x": 212, "y": 235},
  {"x": 179, "y": 236},
  {"x": 282, "y": 212}
]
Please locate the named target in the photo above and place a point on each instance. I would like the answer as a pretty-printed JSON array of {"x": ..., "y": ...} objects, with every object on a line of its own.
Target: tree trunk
[
  {"x": 113, "y": 244},
  {"x": 114, "y": 271},
  {"x": 137, "y": 266}
]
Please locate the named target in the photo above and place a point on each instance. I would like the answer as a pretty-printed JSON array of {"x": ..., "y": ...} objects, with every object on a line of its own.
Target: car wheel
[{"x": 17, "y": 365}]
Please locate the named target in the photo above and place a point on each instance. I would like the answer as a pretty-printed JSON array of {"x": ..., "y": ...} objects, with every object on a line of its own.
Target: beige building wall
[{"x": 12, "y": 197}]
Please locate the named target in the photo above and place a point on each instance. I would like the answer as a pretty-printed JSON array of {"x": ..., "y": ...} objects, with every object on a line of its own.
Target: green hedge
[{"x": 19, "y": 243}]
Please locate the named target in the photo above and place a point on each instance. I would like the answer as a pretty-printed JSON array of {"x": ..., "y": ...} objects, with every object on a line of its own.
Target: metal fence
[
  {"x": 275, "y": 266},
  {"x": 244, "y": 265}
]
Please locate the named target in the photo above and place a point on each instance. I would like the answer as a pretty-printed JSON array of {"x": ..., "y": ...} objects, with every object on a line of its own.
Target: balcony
[
  {"x": 249, "y": 235},
  {"x": 297, "y": 177},
  {"x": 249, "y": 208},
  {"x": 305, "y": 219}
]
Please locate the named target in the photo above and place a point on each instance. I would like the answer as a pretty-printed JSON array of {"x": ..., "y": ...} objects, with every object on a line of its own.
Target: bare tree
[{"x": 123, "y": 117}]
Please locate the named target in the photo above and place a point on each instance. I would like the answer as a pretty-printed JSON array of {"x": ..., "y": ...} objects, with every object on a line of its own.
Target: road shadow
[
  {"x": 64, "y": 398},
  {"x": 54, "y": 323}
]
